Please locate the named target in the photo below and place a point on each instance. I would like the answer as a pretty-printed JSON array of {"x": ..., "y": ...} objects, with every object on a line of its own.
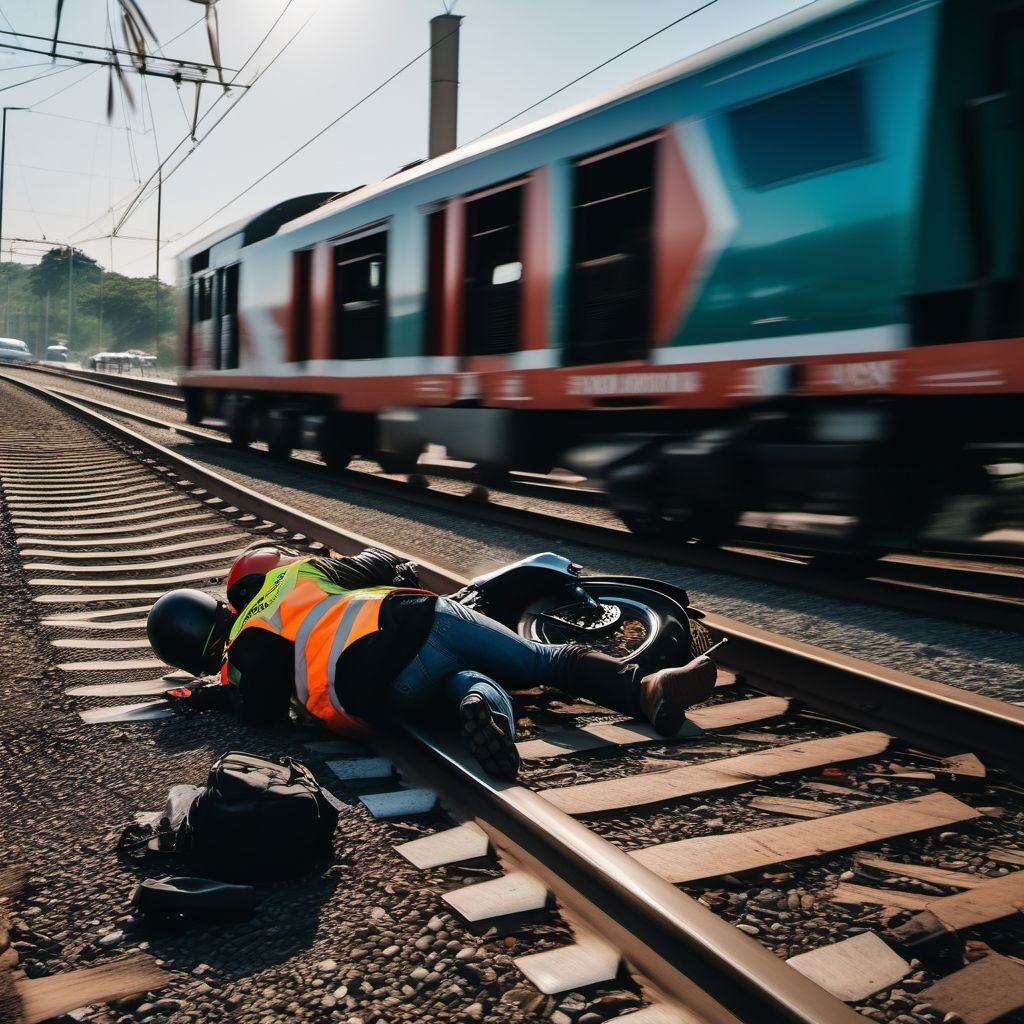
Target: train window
[
  {"x": 493, "y": 292},
  {"x": 433, "y": 321},
  {"x": 204, "y": 297},
  {"x": 302, "y": 262},
  {"x": 360, "y": 297},
  {"x": 610, "y": 283},
  {"x": 228, "y": 302},
  {"x": 807, "y": 130}
]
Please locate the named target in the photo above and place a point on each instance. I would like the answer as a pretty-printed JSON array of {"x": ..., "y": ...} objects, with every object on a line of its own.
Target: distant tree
[
  {"x": 135, "y": 309},
  {"x": 52, "y": 272}
]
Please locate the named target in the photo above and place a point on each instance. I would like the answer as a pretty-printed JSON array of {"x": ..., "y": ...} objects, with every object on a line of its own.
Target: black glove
[
  {"x": 191, "y": 700},
  {"x": 406, "y": 575}
]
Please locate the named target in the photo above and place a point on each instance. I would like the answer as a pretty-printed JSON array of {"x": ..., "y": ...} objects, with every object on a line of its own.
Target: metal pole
[
  {"x": 3, "y": 154},
  {"x": 71, "y": 274},
  {"x": 444, "y": 83},
  {"x": 159, "y": 205}
]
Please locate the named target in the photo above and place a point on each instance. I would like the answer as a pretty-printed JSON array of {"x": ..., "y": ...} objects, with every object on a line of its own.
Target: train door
[
  {"x": 970, "y": 249},
  {"x": 298, "y": 339},
  {"x": 226, "y": 320},
  {"x": 202, "y": 352},
  {"x": 994, "y": 171},
  {"x": 610, "y": 277}
]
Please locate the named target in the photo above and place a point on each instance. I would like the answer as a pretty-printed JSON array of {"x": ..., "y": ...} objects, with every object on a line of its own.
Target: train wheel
[
  {"x": 708, "y": 526},
  {"x": 334, "y": 450},
  {"x": 396, "y": 462},
  {"x": 491, "y": 476},
  {"x": 280, "y": 430},
  {"x": 239, "y": 417},
  {"x": 193, "y": 405},
  {"x": 336, "y": 458}
]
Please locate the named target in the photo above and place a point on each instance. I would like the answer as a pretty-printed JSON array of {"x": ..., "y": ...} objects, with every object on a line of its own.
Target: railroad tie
[
  {"x": 689, "y": 860},
  {"x": 725, "y": 773},
  {"x": 558, "y": 742}
]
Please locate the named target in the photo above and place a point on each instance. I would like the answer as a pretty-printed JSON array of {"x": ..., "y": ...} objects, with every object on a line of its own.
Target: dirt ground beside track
[{"x": 367, "y": 941}]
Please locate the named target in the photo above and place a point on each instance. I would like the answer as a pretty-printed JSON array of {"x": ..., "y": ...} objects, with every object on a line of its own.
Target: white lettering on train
[
  {"x": 872, "y": 376},
  {"x": 633, "y": 384}
]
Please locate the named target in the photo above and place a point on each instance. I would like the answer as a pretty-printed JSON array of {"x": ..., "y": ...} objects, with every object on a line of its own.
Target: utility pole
[
  {"x": 71, "y": 274},
  {"x": 444, "y": 83},
  {"x": 3, "y": 154},
  {"x": 159, "y": 204}
]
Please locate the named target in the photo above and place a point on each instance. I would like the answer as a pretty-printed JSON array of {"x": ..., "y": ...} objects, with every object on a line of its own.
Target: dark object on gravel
[
  {"x": 927, "y": 939},
  {"x": 193, "y": 897},
  {"x": 258, "y": 820}
]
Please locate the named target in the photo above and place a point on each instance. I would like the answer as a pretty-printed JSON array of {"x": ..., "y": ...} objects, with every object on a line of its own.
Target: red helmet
[{"x": 250, "y": 569}]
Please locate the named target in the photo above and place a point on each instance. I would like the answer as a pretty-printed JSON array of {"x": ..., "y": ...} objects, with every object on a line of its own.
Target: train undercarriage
[{"x": 880, "y": 472}]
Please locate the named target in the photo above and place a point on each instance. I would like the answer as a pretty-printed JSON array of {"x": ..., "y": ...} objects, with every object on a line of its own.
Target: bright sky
[{"x": 70, "y": 173}]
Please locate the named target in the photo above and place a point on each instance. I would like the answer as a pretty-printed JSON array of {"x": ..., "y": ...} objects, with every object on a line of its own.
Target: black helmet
[{"x": 187, "y": 629}]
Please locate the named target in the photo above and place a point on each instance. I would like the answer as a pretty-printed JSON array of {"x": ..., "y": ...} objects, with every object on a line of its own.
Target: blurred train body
[{"x": 787, "y": 272}]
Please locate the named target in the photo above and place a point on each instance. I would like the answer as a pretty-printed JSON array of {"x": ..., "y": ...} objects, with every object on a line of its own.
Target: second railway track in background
[
  {"x": 963, "y": 589},
  {"x": 837, "y": 754}
]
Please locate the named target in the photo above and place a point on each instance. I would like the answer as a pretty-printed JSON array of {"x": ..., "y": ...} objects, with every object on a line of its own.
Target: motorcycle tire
[{"x": 640, "y": 625}]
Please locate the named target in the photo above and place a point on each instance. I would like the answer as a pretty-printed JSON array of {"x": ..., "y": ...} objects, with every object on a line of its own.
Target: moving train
[{"x": 784, "y": 273}]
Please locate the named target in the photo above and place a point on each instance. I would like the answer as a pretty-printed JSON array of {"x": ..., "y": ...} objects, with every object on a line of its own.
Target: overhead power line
[
  {"x": 141, "y": 196},
  {"x": 598, "y": 67},
  {"x": 295, "y": 152},
  {"x": 158, "y": 67},
  {"x": 417, "y": 58}
]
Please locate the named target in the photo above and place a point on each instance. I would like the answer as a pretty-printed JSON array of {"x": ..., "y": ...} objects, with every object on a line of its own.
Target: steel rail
[
  {"x": 991, "y": 611},
  {"x": 684, "y": 948},
  {"x": 140, "y": 386}
]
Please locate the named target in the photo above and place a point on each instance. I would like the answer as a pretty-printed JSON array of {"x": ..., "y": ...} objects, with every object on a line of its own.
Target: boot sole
[{"x": 487, "y": 741}]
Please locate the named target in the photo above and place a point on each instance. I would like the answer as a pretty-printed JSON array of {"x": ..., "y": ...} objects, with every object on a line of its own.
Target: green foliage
[
  {"x": 134, "y": 309},
  {"x": 62, "y": 266},
  {"x": 108, "y": 311}
]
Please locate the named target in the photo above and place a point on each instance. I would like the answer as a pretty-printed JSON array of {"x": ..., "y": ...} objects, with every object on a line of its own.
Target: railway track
[
  {"x": 963, "y": 589},
  {"x": 610, "y": 819}
]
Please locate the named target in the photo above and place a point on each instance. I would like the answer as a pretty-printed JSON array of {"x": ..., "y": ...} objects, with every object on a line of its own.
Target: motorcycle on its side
[{"x": 546, "y": 598}]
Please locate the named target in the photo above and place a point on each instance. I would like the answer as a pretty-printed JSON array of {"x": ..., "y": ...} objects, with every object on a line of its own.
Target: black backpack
[{"x": 258, "y": 820}]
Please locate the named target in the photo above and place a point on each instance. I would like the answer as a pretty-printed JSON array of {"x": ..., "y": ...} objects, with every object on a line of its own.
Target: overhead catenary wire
[
  {"x": 138, "y": 195},
  {"x": 295, "y": 152},
  {"x": 39, "y": 78},
  {"x": 597, "y": 67},
  {"x": 142, "y": 196},
  {"x": 418, "y": 57}
]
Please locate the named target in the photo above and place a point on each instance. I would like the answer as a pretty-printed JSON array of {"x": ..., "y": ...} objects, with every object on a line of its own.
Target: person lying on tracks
[{"x": 356, "y": 639}]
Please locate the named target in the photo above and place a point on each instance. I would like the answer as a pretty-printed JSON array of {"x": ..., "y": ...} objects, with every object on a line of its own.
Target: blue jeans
[{"x": 466, "y": 652}]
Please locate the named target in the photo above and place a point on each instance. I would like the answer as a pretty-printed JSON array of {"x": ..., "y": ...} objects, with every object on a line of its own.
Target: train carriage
[{"x": 785, "y": 272}]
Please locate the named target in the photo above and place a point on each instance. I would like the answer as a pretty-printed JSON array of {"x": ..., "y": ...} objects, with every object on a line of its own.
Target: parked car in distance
[
  {"x": 13, "y": 350},
  {"x": 57, "y": 353},
  {"x": 113, "y": 361}
]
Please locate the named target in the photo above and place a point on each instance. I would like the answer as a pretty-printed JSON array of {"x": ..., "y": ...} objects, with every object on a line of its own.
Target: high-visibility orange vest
[{"x": 322, "y": 620}]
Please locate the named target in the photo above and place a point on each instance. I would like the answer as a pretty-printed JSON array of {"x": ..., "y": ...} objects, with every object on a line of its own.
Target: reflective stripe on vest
[{"x": 321, "y": 620}]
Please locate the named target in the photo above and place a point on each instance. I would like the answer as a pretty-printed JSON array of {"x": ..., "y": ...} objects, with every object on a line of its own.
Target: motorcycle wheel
[{"x": 638, "y": 625}]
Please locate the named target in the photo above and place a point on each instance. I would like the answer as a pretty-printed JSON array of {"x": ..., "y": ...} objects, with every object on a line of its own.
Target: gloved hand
[
  {"x": 406, "y": 575},
  {"x": 191, "y": 700}
]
